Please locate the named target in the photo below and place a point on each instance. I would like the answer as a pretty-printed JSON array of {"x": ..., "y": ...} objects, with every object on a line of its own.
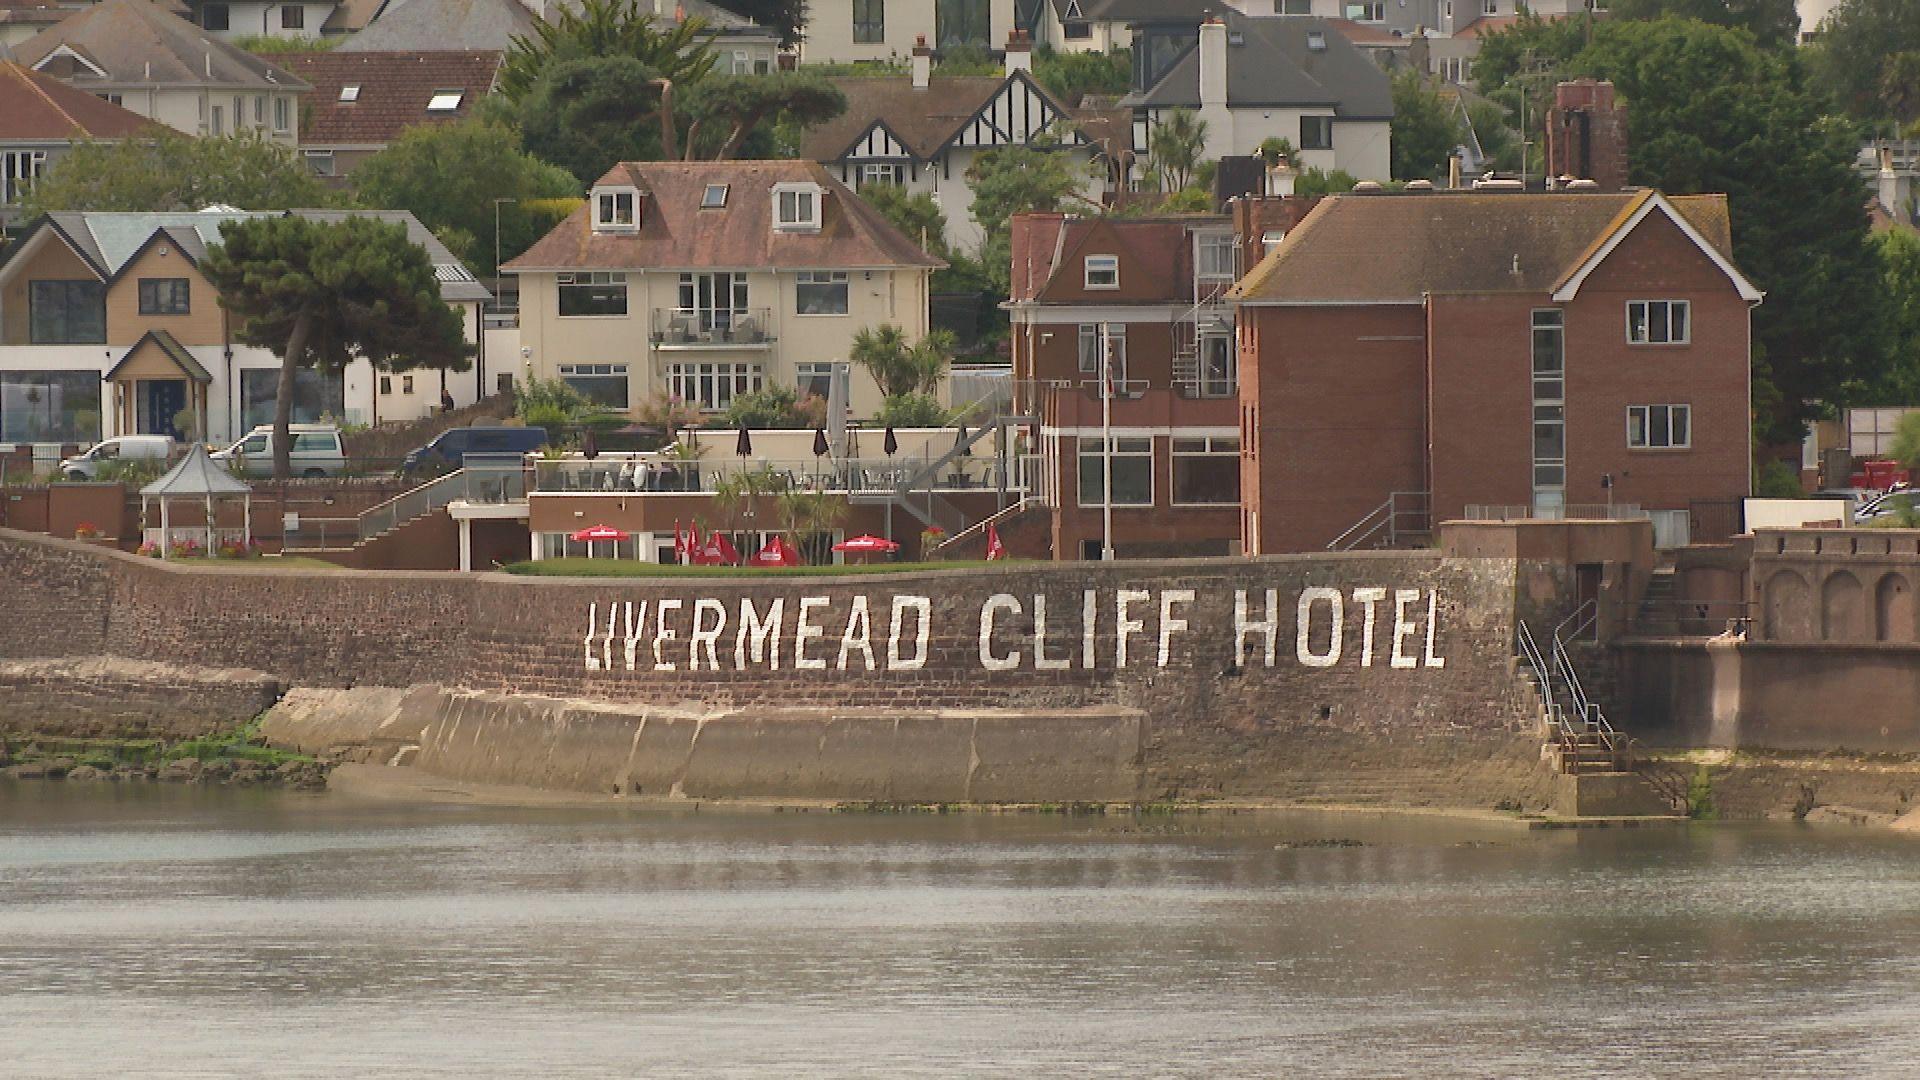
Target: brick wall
[
  {"x": 1215, "y": 709},
  {"x": 103, "y": 698}
]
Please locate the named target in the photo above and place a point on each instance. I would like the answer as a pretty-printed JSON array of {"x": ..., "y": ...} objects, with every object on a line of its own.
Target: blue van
[{"x": 449, "y": 449}]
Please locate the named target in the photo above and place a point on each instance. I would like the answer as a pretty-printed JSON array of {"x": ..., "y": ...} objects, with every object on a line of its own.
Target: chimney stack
[
  {"x": 1019, "y": 51},
  {"x": 1213, "y": 63},
  {"x": 1587, "y": 134},
  {"x": 922, "y": 62}
]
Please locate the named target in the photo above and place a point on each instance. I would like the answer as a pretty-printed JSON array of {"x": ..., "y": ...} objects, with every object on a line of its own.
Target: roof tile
[{"x": 394, "y": 89}]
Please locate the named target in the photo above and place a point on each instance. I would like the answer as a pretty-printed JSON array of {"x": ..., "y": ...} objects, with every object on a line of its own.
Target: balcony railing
[
  {"x": 712, "y": 328},
  {"x": 628, "y": 474}
]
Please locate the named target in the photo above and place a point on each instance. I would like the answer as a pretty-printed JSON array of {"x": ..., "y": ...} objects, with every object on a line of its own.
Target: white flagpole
[{"x": 1106, "y": 442}]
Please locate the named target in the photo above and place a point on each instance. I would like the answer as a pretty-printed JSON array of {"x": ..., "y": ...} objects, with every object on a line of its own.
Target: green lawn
[{"x": 623, "y": 568}]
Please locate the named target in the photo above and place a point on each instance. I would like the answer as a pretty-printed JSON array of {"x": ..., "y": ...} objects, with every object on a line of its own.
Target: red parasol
[
  {"x": 777, "y": 553},
  {"x": 599, "y": 532},
  {"x": 867, "y": 545}
]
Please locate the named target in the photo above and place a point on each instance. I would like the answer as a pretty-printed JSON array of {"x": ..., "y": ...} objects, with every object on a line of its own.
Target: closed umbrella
[
  {"x": 891, "y": 445},
  {"x": 589, "y": 446},
  {"x": 820, "y": 447},
  {"x": 744, "y": 444}
]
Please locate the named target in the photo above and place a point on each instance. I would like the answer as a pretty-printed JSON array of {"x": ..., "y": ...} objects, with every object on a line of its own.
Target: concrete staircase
[{"x": 1659, "y": 612}]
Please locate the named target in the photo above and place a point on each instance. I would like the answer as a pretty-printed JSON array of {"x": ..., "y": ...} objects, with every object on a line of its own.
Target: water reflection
[{"x": 237, "y": 933}]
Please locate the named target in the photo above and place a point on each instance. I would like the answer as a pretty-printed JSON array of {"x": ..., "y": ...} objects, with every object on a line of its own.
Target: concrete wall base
[{"x": 1608, "y": 794}]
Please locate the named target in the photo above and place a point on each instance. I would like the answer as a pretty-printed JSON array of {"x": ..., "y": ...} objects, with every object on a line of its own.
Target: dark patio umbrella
[
  {"x": 890, "y": 446},
  {"x": 820, "y": 447},
  {"x": 589, "y": 448},
  {"x": 744, "y": 444},
  {"x": 960, "y": 441}
]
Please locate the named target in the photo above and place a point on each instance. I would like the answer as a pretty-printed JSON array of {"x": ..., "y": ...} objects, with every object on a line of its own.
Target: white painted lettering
[
  {"x": 636, "y": 631},
  {"x": 923, "y": 607},
  {"x": 804, "y": 631},
  {"x": 761, "y": 636},
  {"x": 1089, "y": 624},
  {"x": 1367, "y": 598},
  {"x": 708, "y": 637},
  {"x": 1041, "y": 661},
  {"x": 1433, "y": 620},
  {"x": 1245, "y": 627},
  {"x": 662, "y": 633},
  {"x": 1123, "y": 627},
  {"x": 996, "y": 602},
  {"x": 1169, "y": 624},
  {"x": 1302, "y": 643},
  {"x": 593, "y": 624},
  {"x": 858, "y": 636},
  {"x": 1403, "y": 629}
]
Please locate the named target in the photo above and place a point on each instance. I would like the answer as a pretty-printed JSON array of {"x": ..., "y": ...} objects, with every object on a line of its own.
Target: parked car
[
  {"x": 1893, "y": 502},
  {"x": 450, "y": 448},
  {"x": 317, "y": 451},
  {"x": 84, "y": 467}
]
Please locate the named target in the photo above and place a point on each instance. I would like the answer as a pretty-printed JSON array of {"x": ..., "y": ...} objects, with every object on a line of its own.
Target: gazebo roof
[{"x": 197, "y": 475}]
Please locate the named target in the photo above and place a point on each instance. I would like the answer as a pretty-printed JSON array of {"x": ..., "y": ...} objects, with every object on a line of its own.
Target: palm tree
[
  {"x": 1176, "y": 147},
  {"x": 900, "y": 368}
]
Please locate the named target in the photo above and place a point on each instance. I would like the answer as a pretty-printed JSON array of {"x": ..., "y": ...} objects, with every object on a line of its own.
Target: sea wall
[
  {"x": 1233, "y": 668},
  {"x": 104, "y": 697}
]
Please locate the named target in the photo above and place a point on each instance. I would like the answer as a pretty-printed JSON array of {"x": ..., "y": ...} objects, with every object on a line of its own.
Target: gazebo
[{"x": 196, "y": 477}]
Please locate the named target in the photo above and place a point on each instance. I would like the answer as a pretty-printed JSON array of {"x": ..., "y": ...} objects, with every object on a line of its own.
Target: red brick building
[
  {"x": 1548, "y": 351},
  {"x": 1152, "y": 292}
]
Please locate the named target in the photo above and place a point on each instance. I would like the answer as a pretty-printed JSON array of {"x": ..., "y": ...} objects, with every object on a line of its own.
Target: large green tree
[
  {"x": 789, "y": 17},
  {"x": 1898, "y": 381},
  {"x": 587, "y": 115},
  {"x": 915, "y": 214},
  {"x": 1708, "y": 111},
  {"x": 1073, "y": 75},
  {"x": 1773, "y": 23},
  {"x": 450, "y": 176},
  {"x": 1425, "y": 132},
  {"x": 1019, "y": 180},
  {"x": 1858, "y": 54},
  {"x": 320, "y": 294},
  {"x": 1176, "y": 147},
  {"x": 681, "y": 54},
  {"x": 723, "y": 110},
  {"x": 171, "y": 171}
]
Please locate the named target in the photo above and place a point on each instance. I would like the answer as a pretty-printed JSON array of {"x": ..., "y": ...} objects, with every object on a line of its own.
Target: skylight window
[
  {"x": 445, "y": 100},
  {"x": 349, "y": 94},
  {"x": 714, "y": 197}
]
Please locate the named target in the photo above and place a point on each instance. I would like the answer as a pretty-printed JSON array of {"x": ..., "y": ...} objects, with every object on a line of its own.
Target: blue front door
[{"x": 163, "y": 400}]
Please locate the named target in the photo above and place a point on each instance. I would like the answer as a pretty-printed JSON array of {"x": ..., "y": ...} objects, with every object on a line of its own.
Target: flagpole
[{"x": 1106, "y": 442}]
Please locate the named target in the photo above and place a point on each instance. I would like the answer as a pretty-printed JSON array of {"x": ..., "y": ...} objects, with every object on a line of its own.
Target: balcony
[
  {"x": 640, "y": 474},
  {"x": 711, "y": 328}
]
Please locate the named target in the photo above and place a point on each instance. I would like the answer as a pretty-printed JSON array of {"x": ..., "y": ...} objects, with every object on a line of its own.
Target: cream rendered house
[
  {"x": 848, "y": 31},
  {"x": 708, "y": 280}
]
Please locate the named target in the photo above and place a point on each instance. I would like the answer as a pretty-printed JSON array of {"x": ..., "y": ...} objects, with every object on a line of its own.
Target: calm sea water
[{"x": 160, "y": 931}]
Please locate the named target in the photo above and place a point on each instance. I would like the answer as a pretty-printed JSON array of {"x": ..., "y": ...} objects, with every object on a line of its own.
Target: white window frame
[
  {"x": 879, "y": 173},
  {"x": 446, "y": 100},
  {"x": 1489, "y": 8},
  {"x": 19, "y": 170},
  {"x": 588, "y": 278},
  {"x": 607, "y": 210},
  {"x": 1271, "y": 239},
  {"x": 1125, "y": 448},
  {"x": 1204, "y": 385},
  {"x": 796, "y": 207},
  {"x": 710, "y": 385},
  {"x": 608, "y": 371},
  {"x": 829, "y": 278},
  {"x": 1106, "y": 266},
  {"x": 1211, "y": 446},
  {"x": 320, "y": 162},
  {"x": 1641, "y": 330},
  {"x": 282, "y": 116},
  {"x": 1088, "y": 350},
  {"x": 1293, "y": 7},
  {"x": 807, "y": 372},
  {"x": 1366, "y": 11},
  {"x": 1217, "y": 247},
  {"x": 1645, "y": 416},
  {"x": 714, "y": 197}
]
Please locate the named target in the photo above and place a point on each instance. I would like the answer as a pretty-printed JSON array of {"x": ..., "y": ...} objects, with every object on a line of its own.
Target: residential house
[
  {"x": 108, "y": 327},
  {"x": 1251, "y": 79},
  {"x": 138, "y": 55},
  {"x": 43, "y": 119},
  {"x": 852, "y": 31},
  {"x": 922, "y": 131},
  {"x": 238, "y": 20},
  {"x": 425, "y": 26},
  {"x": 1411, "y": 357},
  {"x": 1149, "y": 294},
  {"x": 362, "y": 101},
  {"x": 1463, "y": 24},
  {"x": 708, "y": 280}
]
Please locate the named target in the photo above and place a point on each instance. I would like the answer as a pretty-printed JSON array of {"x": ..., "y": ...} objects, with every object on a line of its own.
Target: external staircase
[
  {"x": 1659, "y": 613},
  {"x": 1404, "y": 520},
  {"x": 914, "y": 492},
  {"x": 483, "y": 478},
  {"x": 1600, "y": 770}
]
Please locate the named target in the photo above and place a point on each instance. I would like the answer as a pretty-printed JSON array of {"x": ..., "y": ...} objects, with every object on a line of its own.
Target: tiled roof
[
  {"x": 393, "y": 91},
  {"x": 108, "y": 240},
  {"x": 136, "y": 42},
  {"x": 922, "y": 119},
  {"x": 32, "y": 12},
  {"x": 1273, "y": 65},
  {"x": 675, "y": 233},
  {"x": 1155, "y": 251},
  {"x": 436, "y": 25},
  {"x": 1491, "y": 24},
  {"x": 1397, "y": 248},
  {"x": 41, "y": 108}
]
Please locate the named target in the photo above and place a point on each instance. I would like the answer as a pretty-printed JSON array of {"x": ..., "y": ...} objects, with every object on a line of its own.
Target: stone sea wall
[{"x": 1213, "y": 675}]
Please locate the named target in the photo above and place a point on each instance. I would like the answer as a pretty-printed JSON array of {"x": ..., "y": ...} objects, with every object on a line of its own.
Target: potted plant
[{"x": 86, "y": 530}]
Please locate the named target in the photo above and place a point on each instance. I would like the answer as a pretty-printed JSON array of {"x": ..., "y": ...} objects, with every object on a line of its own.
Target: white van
[
  {"x": 84, "y": 467},
  {"x": 317, "y": 451}
]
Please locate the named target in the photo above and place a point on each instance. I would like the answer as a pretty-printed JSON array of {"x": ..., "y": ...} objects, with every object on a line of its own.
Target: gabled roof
[
  {"x": 197, "y": 475},
  {"x": 139, "y": 43},
  {"x": 675, "y": 233},
  {"x": 1132, "y": 11},
  {"x": 174, "y": 351},
  {"x": 394, "y": 89},
  {"x": 439, "y": 25},
  {"x": 924, "y": 120},
  {"x": 108, "y": 241},
  {"x": 1273, "y": 66},
  {"x": 1395, "y": 249},
  {"x": 41, "y": 108},
  {"x": 1156, "y": 254}
]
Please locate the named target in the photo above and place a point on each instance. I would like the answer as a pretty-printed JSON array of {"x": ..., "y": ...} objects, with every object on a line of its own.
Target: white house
[{"x": 849, "y": 31}]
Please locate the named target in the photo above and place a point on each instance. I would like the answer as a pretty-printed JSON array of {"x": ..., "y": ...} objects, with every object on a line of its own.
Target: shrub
[
  {"x": 912, "y": 410},
  {"x": 150, "y": 549},
  {"x": 186, "y": 549}
]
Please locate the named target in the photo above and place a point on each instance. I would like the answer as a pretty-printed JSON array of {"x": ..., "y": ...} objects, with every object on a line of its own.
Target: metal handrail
[
  {"x": 1384, "y": 511},
  {"x": 438, "y": 492},
  {"x": 991, "y": 519},
  {"x": 1388, "y": 514}
]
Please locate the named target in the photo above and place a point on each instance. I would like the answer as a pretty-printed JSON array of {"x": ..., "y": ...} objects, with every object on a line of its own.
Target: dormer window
[
  {"x": 1103, "y": 271},
  {"x": 796, "y": 207},
  {"x": 614, "y": 209},
  {"x": 714, "y": 198}
]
